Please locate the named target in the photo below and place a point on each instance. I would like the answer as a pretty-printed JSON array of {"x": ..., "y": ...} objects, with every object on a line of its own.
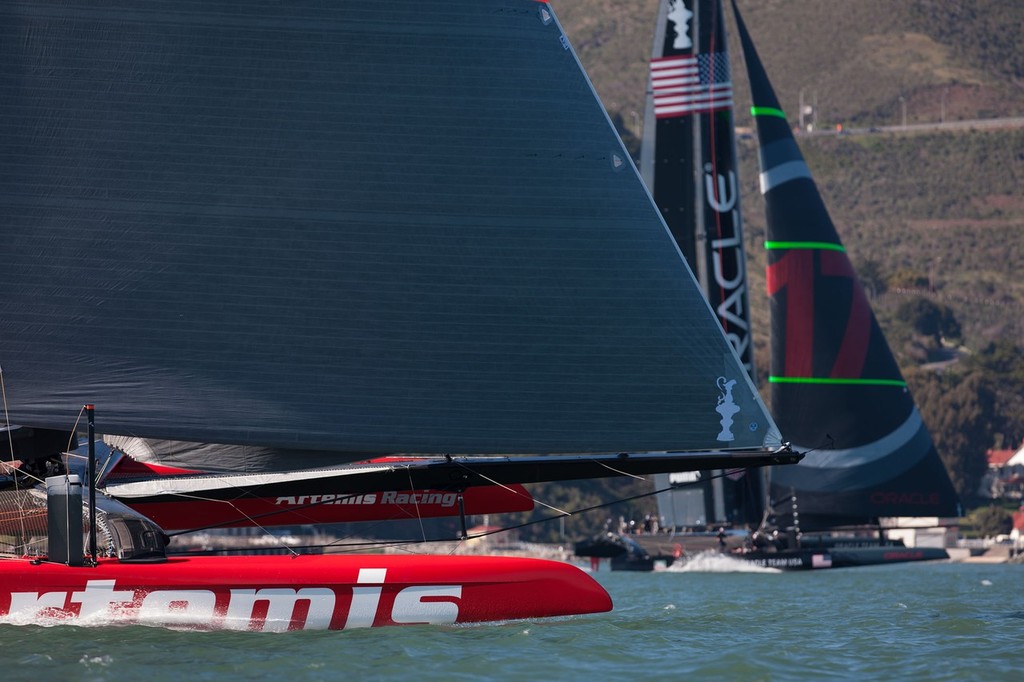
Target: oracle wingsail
[
  {"x": 688, "y": 160},
  {"x": 688, "y": 156},
  {"x": 835, "y": 386}
]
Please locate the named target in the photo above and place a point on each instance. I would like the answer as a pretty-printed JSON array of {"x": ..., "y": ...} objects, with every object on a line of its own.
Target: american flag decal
[{"x": 684, "y": 85}]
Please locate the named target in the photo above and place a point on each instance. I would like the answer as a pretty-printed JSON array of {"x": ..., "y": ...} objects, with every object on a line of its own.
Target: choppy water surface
[{"x": 915, "y": 621}]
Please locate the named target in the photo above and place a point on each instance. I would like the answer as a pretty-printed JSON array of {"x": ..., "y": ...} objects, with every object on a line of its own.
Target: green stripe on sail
[
  {"x": 821, "y": 246},
  {"x": 767, "y": 111},
  {"x": 837, "y": 382}
]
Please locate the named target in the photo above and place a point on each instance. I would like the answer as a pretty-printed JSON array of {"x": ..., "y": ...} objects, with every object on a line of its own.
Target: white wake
[{"x": 716, "y": 562}]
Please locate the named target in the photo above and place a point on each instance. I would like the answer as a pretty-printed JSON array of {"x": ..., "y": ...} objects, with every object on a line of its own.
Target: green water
[{"x": 912, "y": 621}]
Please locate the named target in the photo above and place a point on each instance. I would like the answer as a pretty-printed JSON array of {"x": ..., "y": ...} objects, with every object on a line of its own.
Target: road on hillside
[{"x": 980, "y": 123}]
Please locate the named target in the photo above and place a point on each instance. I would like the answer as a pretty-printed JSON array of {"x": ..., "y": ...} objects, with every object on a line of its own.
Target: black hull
[
  {"x": 632, "y": 563},
  {"x": 627, "y": 553},
  {"x": 624, "y": 553},
  {"x": 814, "y": 559},
  {"x": 800, "y": 560}
]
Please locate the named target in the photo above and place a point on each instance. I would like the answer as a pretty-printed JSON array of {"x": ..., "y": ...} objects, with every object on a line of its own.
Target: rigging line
[
  {"x": 348, "y": 547},
  {"x": 242, "y": 492},
  {"x": 585, "y": 510},
  {"x": 7, "y": 417},
  {"x": 560, "y": 511},
  {"x": 212, "y": 526},
  {"x": 401, "y": 515},
  {"x": 490, "y": 480},
  {"x": 357, "y": 546},
  {"x": 74, "y": 431},
  {"x": 405, "y": 515},
  {"x": 622, "y": 473},
  {"x": 17, "y": 473},
  {"x": 610, "y": 503},
  {"x": 244, "y": 516},
  {"x": 381, "y": 543},
  {"x": 29, "y": 474},
  {"x": 595, "y": 507},
  {"x": 416, "y": 504},
  {"x": 354, "y": 546},
  {"x": 255, "y": 523},
  {"x": 9, "y": 515}
]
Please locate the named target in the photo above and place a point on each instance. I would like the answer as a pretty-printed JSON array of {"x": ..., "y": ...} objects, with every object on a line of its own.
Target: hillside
[
  {"x": 856, "y": 59},
  {"x": 942, "y": 206},
  {"x": 937, "y": 214}
]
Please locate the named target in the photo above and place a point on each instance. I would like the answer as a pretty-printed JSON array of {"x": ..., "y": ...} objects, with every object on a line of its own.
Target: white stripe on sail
[{"x": 784, "y": 172}]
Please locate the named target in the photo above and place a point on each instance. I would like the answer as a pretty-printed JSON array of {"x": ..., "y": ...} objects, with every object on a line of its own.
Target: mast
[{"x": 688, "y": 160}]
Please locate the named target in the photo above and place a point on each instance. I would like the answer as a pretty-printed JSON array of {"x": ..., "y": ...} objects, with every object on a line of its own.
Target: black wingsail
[
  {"x": 688, "y": 157},
  {"x": 324, "y": 232},
  {"x": 835, "y": 386},
  {"x": 688, "y": 160}
]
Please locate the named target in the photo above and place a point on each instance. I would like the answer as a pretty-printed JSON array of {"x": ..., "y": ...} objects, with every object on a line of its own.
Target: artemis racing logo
[
  {"x": 428, "y": 497},
  {"x": 269, "y": 609}
]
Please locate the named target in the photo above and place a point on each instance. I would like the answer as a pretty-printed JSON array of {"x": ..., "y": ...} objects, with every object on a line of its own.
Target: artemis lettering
[{"x": 267, "y": 609}]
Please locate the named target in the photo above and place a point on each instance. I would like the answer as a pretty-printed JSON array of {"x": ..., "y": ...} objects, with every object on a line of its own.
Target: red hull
[
  {"x": 188, "y": 513},
  {"x": 278, "y": 593},
  {"x": 316, "y": 507},
  {"x": 322, "y": 507}
]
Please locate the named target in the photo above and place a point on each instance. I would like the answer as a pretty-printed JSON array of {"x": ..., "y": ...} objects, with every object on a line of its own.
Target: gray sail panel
[
  {"x": 219, "y": 457},
  {"x": 362, "y": 227}
]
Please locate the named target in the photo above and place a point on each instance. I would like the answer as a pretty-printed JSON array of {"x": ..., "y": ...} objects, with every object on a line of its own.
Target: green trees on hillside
[
  {"x": 573, "y": 496},
  {"x": 957, "y": 409},
  {"x": 872, "y": 277},
  {"x": 929, "y": 318},
  {"x": 1002, "y": 364},
  {"x": 921, "y": 329},
  {"x": 991, "y": 520},
  {"x": 970, "y": 407}
]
